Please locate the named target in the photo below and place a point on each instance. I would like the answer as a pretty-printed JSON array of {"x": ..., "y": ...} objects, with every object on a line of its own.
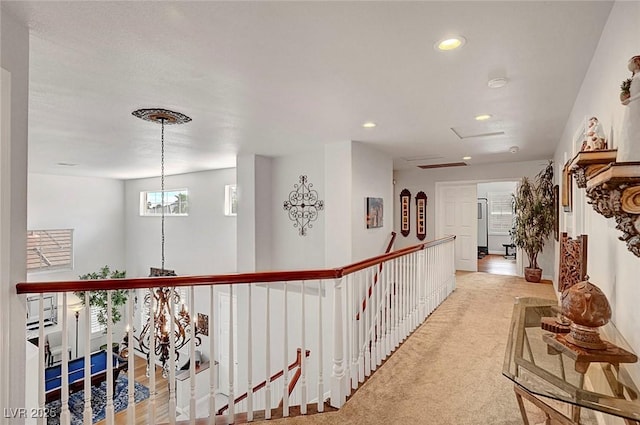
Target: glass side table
[{"x": 561, "y": 378}]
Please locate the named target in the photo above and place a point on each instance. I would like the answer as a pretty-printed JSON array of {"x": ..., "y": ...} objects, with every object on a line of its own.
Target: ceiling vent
[
  {"x": 423, "y": 158},
  {"x": 445, "y": 165},
  {"x": 463, "y": 134}
]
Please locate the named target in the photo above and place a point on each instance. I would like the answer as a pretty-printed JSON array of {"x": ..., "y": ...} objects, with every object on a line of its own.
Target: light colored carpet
[{"x": 449, "y": 371}]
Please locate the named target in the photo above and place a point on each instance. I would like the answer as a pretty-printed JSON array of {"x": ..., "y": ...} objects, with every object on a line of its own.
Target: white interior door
[{"x": 457, "y": 211}]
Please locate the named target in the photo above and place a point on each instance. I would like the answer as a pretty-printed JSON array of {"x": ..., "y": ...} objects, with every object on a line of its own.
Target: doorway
[{"x": 496, "y": 251}]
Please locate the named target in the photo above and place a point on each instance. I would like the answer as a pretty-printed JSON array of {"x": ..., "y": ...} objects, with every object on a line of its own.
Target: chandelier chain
[{"x": 162, "y": 189}]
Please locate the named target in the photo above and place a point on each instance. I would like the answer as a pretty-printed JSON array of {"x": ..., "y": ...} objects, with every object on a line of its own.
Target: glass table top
[{"x": 545, "y": 365}]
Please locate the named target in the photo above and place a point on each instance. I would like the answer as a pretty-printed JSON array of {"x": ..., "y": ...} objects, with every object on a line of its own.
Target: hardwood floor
[
  {"x": 162, "y": 396},
  {"x": 497, "y": 264}
]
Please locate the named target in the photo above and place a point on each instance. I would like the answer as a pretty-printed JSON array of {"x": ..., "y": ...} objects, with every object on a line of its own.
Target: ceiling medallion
[{"x": 161, "y": 116}]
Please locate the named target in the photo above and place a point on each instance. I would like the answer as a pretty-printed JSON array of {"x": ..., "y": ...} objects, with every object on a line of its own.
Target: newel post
[{"x": 338, "y": 377}]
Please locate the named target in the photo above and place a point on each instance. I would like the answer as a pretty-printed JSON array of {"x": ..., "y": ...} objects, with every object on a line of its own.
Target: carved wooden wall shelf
[
  {"x": 614, "y": 191},
  {"x": 587, "y": 163}
]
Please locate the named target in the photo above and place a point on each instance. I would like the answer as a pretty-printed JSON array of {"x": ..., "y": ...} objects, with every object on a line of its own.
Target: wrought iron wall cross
[{"x": 303, "y": 205}]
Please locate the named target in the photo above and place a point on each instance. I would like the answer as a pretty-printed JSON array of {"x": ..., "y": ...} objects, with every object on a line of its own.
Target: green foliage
[
  {"x": 534, "y": 215},
  {"x": 626, "y": 85},
  {"x": 98, "y": 299}
]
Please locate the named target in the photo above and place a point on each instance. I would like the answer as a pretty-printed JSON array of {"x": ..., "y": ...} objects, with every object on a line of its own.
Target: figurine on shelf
[
  {"x": 629, "y": 149},
  {"x": 594, "y": 136}
]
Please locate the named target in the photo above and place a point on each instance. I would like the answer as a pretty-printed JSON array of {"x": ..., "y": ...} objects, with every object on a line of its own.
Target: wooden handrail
[
  {"x": 221, "y": 279},
  {"x": 296, "y": 363},
  {"x": 375, "y": 277}
]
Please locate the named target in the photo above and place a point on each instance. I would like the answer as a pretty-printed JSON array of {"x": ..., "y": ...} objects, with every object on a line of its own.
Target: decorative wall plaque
[
  {"x": 421, "y": 215},
  {"x": 405, "y": 212},
  {"x": 573, "y": 261},
  {"x": 567, "y": 188},
  {"x": 303, "y": 205}
]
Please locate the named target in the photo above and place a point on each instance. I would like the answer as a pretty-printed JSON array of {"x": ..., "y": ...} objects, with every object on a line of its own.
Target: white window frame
[
  {"x": 144, "y": 211},
  {"x": 500, "y": 213},
  {"x": 230, "y": 200},
  {"x": 96, "y": 327},
  {"x": 49, "y": 250}
]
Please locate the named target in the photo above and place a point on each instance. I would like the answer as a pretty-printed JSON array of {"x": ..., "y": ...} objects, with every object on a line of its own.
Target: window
[
  {"x": 49, "y": 250},
  {"x": 96, "y": 326},
  {"x": 230, "y": 200},
  {"x": 500, "y": 213},
  {"x": 176, "y": 202}
]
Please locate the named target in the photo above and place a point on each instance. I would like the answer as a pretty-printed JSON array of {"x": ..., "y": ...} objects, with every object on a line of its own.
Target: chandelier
[{"x": 162, "y": 301}]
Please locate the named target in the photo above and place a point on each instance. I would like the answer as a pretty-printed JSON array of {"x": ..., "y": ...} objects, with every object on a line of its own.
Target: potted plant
[
  {"x": 534, "y": 218},
  {"x": 625, "y": 91},
  {"x": 98, "y": 299}
]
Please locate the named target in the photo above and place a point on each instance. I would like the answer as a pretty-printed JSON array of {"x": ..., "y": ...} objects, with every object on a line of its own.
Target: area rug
[{"x": 98, "y": 401}]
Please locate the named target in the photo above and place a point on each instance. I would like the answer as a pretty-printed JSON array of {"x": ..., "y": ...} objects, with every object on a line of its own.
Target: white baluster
[
  {"x": 192, "y": 356},
  {"x": 303, "y": 364},
  {"x": 350, "y": 320},
  {"x": 151, "y": 360},
  {"x": 88, "y": 411},
  {"x": 267, "y": 391},
  {"x": 64, "y": 398},
  {"x": 374, "y": 319},
  {"x": 360, "y": 275},
  {"x": 131, "y": 407},
  {"x": 250, "y": 359},
  {"x": 213, "y": 378},
  {"x": 41, "y": 359},
  {"x": 352, "y": 326},
  {"x": 379, "y": 314},
  {"x": 368, "y": 324},
  {"x": 110, "y": 412},
  {"x": 285, "y": 382},
  {"x": 172, "y": 361},
  {"x": 320, "y": 352},
  {"x": 231, "y": 365},
  {"x": 338, "y": 396}
]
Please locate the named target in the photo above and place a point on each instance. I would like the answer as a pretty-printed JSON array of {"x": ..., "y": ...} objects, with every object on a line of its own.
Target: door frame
[{"x": 439, "y": 219}]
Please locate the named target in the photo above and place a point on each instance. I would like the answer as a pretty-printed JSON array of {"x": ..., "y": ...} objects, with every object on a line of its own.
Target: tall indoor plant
[
  {"x": 534, "y": 218},
  {"x": 98, "y": 299}
]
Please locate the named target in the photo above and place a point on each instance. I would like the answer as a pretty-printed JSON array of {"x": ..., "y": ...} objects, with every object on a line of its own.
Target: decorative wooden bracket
[
  {"x": 585, "y": 164},
  {"x": 614, "y": 191}
]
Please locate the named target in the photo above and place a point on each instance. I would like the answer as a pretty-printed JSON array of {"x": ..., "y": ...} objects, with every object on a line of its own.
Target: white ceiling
[{"x": 274, "y": 78}]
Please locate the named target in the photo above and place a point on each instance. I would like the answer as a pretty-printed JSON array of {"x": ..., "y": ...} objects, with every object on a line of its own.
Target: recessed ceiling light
[
  {"x": 483, "y": 117},
  {"x": 369, "y": 124},
  {"x": 450, "y": 43},
  {"x": 514, "y": 149},
  {"x": 496, "y": 83},
  {"x": 466, "y": 158}
]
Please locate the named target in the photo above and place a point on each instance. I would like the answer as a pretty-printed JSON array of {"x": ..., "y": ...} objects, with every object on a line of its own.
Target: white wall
[
  {"x": 204, "y": 242},
  {"x": 92, "y": 207},
  {"x": 14, "y": 59},
  {"x": 496, "y": 240},
  {"x": 424, "y": 180},
  {"x": 610, "y": 265},
  {"x": 290, "y": 251},
  {"x": 372, "y": 177}
]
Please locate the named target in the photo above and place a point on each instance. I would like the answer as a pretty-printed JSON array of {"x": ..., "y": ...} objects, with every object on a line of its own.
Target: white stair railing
[{"x": 349, "y": 321}]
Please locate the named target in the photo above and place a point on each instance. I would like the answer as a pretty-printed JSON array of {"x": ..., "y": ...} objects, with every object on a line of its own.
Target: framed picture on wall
[
  {"x": 421, "y": 215},
  {"x": 374, "y": 213},
  {"x": 405, "y": 212}
]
